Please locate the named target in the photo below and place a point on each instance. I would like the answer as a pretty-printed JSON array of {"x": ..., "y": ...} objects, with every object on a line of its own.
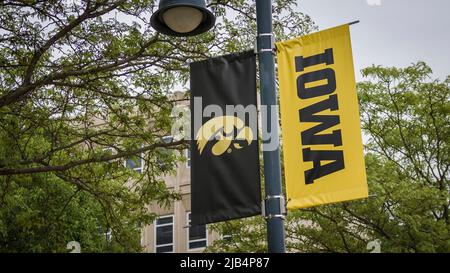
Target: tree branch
[
  {"x": 27, "y": 85},
  {"x": 65, "y": 167}
]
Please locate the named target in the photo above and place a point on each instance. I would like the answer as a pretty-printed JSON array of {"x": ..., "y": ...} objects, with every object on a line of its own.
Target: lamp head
[{"x": 182, "y": 18}]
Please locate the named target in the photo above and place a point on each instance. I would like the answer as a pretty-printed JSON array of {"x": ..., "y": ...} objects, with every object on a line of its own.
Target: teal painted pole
[{"x": 272, "y": 169}]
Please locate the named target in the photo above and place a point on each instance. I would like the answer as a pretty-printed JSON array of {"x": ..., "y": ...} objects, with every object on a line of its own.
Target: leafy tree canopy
[{"x": 83, "y": 86}]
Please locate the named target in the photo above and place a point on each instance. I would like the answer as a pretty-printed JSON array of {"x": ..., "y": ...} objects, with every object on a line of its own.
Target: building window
[
  {"x": 197, "y": 235},
  {"x": 135, "y": 163},
  {"x": 164, "y": 234},
  {"x": 165, "y": 156},
  {"x": 167, "y": 139},
  {"x": 188, "y": 158}
]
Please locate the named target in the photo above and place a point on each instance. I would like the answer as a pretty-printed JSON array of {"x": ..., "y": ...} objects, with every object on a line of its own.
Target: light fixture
[{"x": 182, "y": 17}]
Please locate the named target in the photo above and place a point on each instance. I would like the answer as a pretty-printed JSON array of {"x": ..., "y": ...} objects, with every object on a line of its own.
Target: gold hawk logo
[{"x": 222, "y": 129}]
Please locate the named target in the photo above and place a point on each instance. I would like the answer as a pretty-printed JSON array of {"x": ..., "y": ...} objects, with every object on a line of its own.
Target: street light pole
[
  {"x": 182, "y": 18},
  {"x": 274, "y": 201}
]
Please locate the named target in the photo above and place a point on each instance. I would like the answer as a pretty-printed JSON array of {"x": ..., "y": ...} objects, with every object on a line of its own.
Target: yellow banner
[{"x": 322, "y": 143}]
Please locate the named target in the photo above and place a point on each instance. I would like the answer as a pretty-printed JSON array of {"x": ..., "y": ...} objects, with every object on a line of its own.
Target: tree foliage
[
  {"x": 405, "y": 118},
  {"x": 83, "y": 86}
]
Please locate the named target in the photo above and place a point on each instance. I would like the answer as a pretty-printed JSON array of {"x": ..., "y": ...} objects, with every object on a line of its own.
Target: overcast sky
[{"x": 391, "y": 32}]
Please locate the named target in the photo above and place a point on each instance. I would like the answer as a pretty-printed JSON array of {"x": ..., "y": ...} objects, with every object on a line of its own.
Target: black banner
[{"x": 225, "y": 178}]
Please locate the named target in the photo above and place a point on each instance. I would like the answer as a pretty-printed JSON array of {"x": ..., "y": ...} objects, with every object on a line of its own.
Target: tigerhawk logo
[{"x": 224, "y": 130}]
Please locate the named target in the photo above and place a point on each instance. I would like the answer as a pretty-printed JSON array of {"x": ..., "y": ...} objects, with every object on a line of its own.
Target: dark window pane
[
  {"x": 163, "y": 249},
  {"x": 134, "y": 162},
  {"x": 164, "y": 235},
  {"x": 197, "y": 232},
  {"x": 164, "y": 220},
  {"x": 198, "y": 244},
  {"x": 167, "y": 139}
]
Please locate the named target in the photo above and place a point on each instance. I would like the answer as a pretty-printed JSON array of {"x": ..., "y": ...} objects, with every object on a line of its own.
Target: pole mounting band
[
  {"x": 258, "y": 42},
  {"x": 271, "y": 216},
  {"x": 282, "y": 204}
]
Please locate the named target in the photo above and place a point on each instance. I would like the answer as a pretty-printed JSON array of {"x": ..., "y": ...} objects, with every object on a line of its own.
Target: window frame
[
  {"x": 188, "y": 240},
  {"x": 155, "y": 244}
]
